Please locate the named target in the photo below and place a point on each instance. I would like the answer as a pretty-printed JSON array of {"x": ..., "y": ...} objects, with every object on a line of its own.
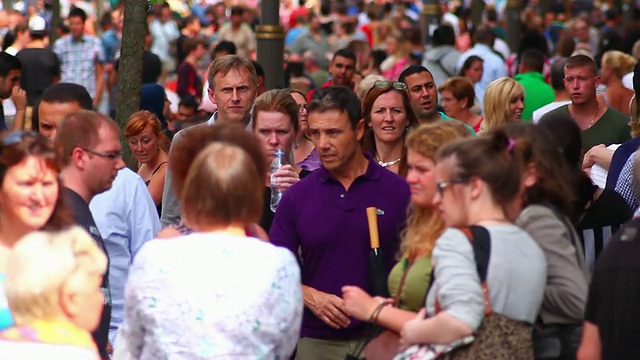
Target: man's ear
[
  {"x": 360, "y": 129},
  {"x": 78, "y": 158}
]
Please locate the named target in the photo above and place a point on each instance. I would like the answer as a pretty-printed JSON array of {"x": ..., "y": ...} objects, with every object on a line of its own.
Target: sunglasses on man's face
[{"x": 398, "y": 85}]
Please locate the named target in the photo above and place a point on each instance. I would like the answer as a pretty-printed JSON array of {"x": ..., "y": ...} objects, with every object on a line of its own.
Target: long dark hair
[{"x": 553, "y": 185}]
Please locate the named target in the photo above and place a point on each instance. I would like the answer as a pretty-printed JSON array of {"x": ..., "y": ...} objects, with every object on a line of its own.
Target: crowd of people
[{"x": 502, "y": 182}]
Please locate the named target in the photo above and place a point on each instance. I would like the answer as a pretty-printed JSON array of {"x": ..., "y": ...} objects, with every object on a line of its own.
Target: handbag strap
[
  {"x": 407, "y": 265},
  {"x": 481, "y": 243}
]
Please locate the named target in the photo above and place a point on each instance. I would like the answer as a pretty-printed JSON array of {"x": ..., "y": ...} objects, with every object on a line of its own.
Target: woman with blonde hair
[
  {"x": 398, "y": 56},
  {"x": 503, "y": 102},
  {"x": 615, "y": 65},
  {"x": 424, "y": 226},
  {"x": 144, "y": 136},
  {"x": 53, "y": 290}
]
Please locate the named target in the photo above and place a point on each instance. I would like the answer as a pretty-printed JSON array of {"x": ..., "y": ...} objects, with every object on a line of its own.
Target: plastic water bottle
[{"x": 276, "y": 193}]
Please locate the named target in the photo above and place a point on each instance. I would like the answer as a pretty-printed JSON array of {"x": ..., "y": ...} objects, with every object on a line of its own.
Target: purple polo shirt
[{"x": 329, "y": 225}]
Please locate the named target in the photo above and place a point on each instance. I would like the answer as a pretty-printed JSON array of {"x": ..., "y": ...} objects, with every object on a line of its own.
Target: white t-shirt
[
  {"x": 627, "y": 81},
  {"x": 538, "y": 114}
]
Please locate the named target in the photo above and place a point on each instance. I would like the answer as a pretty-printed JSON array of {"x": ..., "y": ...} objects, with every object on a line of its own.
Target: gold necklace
[{"x": 593, "y": 120}]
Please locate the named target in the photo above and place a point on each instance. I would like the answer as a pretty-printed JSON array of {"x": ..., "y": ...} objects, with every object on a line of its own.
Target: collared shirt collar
[
  {"x": 82, "y": 38},
  {"x": 212, "y": 120},
  {"x": 372, "y": 173}
]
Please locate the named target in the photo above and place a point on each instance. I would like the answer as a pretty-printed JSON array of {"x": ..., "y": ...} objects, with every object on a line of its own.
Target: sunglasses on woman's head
[
  {"x": 16, "y": 137},
  {"x": 398, "y": 85}
]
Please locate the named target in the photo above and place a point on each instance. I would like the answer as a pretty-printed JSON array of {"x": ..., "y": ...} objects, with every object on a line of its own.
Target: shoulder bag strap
[
  {"x": 481, "y": 243},
  {"x": 407, "y": 265}
]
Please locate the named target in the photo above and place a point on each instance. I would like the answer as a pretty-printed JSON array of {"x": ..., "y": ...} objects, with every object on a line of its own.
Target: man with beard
[
  {"x": 342, "y": 69},
  {"x": 91, "y": 157}
]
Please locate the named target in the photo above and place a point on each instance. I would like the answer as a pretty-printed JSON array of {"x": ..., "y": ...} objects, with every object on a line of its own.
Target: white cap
[{"x": 37, "y": 23}]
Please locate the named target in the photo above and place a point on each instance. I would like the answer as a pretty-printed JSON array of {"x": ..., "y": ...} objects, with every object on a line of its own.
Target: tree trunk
[
  {"x": 55, "y": 20},
  {"x": 477, "y": 8},
  {"x": 130, "y": 67}
]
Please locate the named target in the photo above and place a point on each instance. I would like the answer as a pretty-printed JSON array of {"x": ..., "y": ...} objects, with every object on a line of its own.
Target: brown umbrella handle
[{"x": 372, "y": 219}]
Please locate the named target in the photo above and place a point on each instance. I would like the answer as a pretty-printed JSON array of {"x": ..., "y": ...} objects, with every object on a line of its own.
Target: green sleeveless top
[{"x": 415, "y": 285}]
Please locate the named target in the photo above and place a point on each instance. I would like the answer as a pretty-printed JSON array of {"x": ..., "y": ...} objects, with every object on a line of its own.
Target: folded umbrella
[{"x": 377, "y": 270}]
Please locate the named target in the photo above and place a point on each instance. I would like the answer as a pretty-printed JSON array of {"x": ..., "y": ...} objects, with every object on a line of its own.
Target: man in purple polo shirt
[{"x": 325, "y": 217}]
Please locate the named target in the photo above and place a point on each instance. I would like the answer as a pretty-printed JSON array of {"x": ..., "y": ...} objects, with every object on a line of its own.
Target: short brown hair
[
  {"x": 279, "y": 100},
  {"x": 80, "y": 129},
  {"x": 194, "y": 139},
  {"x": 36, "y": 145},
  {"x": 582, "y": 61},
  {"x": 460, "y": 88},
  {"x": 224, "y": 186},
  {"x": 191, "y": 44},
  {"x": 224, "y": 64}
]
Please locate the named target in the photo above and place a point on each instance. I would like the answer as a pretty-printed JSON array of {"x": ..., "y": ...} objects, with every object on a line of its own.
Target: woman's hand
[
  {"x": 411, "y": 330},
  {"x": 286, "y": 176},
  {"x": 358, "y": 303}
]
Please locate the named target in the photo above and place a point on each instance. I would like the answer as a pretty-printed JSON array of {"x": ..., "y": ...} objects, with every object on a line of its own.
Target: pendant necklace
[{"x": 389, "y": 163}]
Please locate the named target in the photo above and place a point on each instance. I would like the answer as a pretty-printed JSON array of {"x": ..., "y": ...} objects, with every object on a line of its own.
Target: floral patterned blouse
[{"x": 212, "y": 295}]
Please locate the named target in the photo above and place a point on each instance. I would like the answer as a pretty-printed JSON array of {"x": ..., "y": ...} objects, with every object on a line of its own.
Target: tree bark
[
  {"x": 130, "y": 66},
  {"x": 55, "y": 20}
]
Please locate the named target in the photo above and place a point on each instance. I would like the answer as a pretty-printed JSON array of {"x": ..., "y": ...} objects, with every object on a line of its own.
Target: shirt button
[{"x": 342, "y": 196}]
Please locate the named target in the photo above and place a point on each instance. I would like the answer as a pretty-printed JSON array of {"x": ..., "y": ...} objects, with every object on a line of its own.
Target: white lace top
[{"x": 205, "y": 296}]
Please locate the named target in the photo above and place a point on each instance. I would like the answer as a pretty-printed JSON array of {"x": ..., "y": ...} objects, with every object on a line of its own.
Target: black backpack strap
[{"x": 481, "y": 243}]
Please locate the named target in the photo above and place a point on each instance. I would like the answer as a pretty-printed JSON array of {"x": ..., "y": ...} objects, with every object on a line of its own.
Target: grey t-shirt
[{"x": 516, "y": 276}]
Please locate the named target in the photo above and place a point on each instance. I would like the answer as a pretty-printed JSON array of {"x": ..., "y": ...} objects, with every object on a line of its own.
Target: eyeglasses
[
  {"x": 302, "y": 107},
  {"x": 443, "y": 185},
  {"x": 115, "y": 155},
  {"x": 394, "y": 84},
  {"x": 17, "y": 136}
]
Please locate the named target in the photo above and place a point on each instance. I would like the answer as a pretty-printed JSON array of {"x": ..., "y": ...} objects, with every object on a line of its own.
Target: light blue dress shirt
[
  {"x": 494, "y": 67},
  {"x": 127, "y": 218}
]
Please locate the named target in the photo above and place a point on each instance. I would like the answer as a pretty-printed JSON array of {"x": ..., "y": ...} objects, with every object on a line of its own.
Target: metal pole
[
  {"x": 627, "y": 12},
  {"x": 512, "y": 12},
  {"x": 270, "y": 43},
  {"x": 430, "y": 19}
]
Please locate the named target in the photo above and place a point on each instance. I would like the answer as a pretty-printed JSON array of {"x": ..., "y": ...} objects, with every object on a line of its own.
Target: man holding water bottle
[{"x": 324, "y": 217}]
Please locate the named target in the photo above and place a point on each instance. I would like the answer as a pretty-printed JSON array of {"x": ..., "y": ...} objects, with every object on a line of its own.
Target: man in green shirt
[
  {"x": 537, "y": 93},
  {"x": 599, "y": 124}
]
